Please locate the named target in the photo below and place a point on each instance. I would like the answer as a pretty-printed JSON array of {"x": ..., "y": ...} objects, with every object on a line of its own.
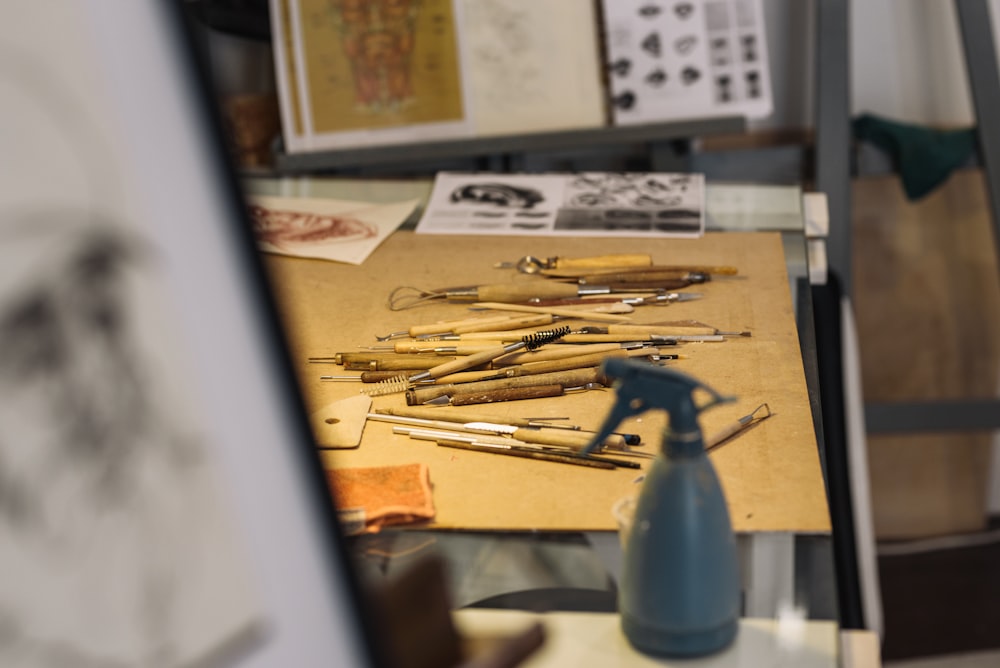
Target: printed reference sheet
[{"x": 586, "y": 204}]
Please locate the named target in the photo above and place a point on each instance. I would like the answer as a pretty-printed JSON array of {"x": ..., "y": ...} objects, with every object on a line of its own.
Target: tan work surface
[{"x": 771, "y": 473}]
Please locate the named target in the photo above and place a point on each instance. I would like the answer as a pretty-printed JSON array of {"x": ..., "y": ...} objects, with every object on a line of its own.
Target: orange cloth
[{"x": 370, "y": 498}]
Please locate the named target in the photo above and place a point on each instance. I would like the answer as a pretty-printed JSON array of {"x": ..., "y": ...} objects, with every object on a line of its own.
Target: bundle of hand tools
[{"x": 529, "y": 339}]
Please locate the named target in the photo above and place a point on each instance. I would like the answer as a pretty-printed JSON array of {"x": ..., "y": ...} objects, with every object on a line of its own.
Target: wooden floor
[{"x": 927, "y": 305}]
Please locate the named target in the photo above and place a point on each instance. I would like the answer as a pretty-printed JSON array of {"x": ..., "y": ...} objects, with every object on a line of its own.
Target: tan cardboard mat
[{"x": 771, "y": 473}]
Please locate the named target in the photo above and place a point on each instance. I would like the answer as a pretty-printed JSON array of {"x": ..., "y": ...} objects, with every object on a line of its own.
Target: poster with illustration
[
  {"x": 354, "y": 74},
  {"x": 677, "y": 59},
  {"x": 585, "y": 204}
]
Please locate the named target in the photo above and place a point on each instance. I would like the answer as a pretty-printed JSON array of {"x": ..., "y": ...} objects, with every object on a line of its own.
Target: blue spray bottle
[{"x": 680, "y": 588}]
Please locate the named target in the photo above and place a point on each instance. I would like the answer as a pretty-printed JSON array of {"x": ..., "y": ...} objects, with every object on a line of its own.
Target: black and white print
[
  {"x": 585, "y": 204},
  {"x": 686, "y": 59}
]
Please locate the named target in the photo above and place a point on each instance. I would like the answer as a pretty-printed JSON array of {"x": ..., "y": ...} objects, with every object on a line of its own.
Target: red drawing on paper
[
  {"x": 378, "y": 39},
  {"x": 281, "y": 228}
]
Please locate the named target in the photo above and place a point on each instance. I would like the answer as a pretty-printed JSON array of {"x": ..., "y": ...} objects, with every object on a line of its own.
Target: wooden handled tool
[
  {"x": 530, "y": 264},
  {"x": 555, "y": 310},
  {"x": 366, "y": 361},
  {"x": 538, "y": 455},
  {"x": 529, "y": 342},
  {"x": 576, "y": 378},
  {"x": 721, "y": 270},
  {"x": 494, "y": 324},
  {"x": 507, "y": 394}
]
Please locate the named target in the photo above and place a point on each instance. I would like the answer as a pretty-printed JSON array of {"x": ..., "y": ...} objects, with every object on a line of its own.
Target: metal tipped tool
[{"x": 529, "y": 342}]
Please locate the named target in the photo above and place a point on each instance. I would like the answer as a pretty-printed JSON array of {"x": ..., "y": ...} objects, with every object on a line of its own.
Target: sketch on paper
[
  {"x": 532, "y": 66},
  {"x": 323, "y": 228},
  {"x": 116, "y": 545},
  {"x": 286, "y": 229}
]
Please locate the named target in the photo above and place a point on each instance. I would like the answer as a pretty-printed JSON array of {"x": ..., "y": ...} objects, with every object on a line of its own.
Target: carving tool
[
  {"x": 538, "y": 455},
  {"x": 654, "y": 285},
  {"x": 555, "y": 310},
  {"x": 529, "y": 342},
  {"x": 495, "y": 323},
  {"x": 564, "y": 350},
  {"x": 529, "y": 264},
  {"x": 372, "y": 361},
  {"x": 720, "y": 270},
  {"x": 674, "y": 329},
  {"x": 494, "y": 396},
  {"x": 406, "y": 296},
  {"x": 550, "y": 366},
  {"x": 574, "y": 378},
  {"x": 449, "y": 415},
  {"x": 683, "y": 278},
  {"x": 363, "y": 377},
  {"x": 653, "y": 338},
  {"x": 508, "y": 445},
  {"x": 572, "y": 440},
  {"x": 758, "y": 414},
  {"x": 437, "y": 348},
  {"x": 663, "y": 299}
]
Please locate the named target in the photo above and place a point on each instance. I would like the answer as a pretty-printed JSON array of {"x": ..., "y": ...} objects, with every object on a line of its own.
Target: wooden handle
[
  {"x": 662, "y": 330},
  {"x": 466, "y": 362},
  {"x": 525, "y": 291},
  {"x": 530, "y": 454},
  {"x": 444, "y": 413},
  {"x": 377, "y": 376},
  {"x": 480, "y": 374},
  {"x": 721, "y": 270},
  {"x": 562, "y": 351},
  {"x": 450, "y": 326},
  {"x": 633, "y": 277},
  {"x": 603, "y": 261},
  {"x": 508, "y": 323},
  {"x": 459, "y": 348},
  {"x": 368, "y": 362},
  {"x": 555, "y": 310},
  {"x": 574, "y": 378},
  {"x": 509, "y": 394}
]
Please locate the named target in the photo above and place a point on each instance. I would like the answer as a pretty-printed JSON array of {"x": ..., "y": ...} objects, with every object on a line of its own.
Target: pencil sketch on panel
[{"x": 116, "y": 547}]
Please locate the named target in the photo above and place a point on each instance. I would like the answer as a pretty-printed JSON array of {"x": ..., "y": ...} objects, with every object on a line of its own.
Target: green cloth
[{"x": 923, "y": 157}]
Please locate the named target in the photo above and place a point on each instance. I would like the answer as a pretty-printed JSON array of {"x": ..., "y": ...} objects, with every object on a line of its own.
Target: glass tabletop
[{"x": 785, "y": 575}]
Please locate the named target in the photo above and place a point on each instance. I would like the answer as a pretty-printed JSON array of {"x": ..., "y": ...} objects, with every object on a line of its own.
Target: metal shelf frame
[{"x": 661, "y": 139}]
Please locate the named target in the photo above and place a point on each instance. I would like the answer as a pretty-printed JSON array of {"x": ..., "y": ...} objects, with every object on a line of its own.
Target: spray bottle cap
[{"x": 642, "y": 386}]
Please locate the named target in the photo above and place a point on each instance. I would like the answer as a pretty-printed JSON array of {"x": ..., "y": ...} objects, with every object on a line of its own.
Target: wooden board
[{"x": 771, "y": 473}]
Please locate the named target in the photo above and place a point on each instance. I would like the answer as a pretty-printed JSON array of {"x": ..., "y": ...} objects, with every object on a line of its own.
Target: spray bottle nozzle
[{"x": 642, "y": 386}]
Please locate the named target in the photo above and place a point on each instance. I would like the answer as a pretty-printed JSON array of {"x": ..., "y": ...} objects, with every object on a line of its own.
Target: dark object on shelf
[
  {"x": 243, "y": 18},
  {"x": 924, "y": 157}
]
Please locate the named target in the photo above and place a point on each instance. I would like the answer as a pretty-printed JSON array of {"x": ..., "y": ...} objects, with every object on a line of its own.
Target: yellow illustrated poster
[{"x": 366, "y": 72}]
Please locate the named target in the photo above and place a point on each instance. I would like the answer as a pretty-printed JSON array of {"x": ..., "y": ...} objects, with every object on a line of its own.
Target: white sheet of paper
[
  {"x": 326, "y": 229},
  {"x": 686, "y": 59},
  {"x": 587, "y": 204},
  {"x": 533, "y": 66}
]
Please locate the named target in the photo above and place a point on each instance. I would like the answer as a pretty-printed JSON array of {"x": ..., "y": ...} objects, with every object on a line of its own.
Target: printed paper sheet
[
  {"x": 579, "y": 205},
  {"x": 686, "y": 59}
]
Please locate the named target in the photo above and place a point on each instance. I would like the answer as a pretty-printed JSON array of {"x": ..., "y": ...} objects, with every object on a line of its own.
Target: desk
[{"x": 573, "y": 564}]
